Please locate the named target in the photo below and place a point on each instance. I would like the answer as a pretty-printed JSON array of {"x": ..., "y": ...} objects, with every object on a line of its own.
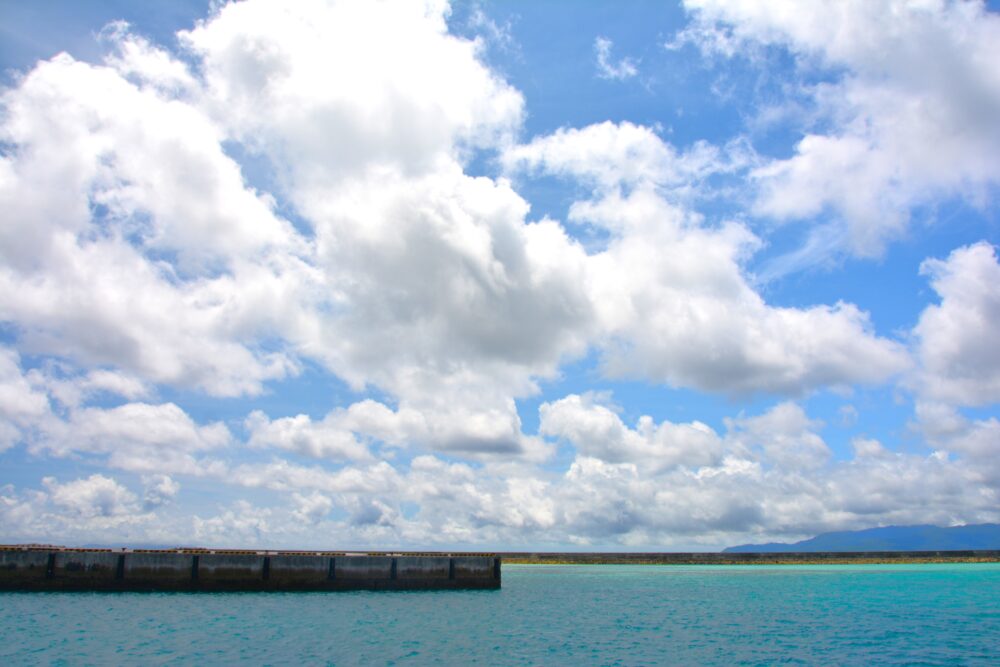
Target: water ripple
[{"x": 544, "y": 615}]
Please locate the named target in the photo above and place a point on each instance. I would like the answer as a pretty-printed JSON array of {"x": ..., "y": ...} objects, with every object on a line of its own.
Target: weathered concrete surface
[
  {"x": 230, "y": 571},
  {"x": 158, "y": 571},
  {"x": 16, "y": 566},
  {"x": 203, "y": 570},
  {"x": 423, "y": 567},
  {"x": 85, "y": 569},
  {"x": 299, "y": 572},
  {"x": 473, "y": 567},
  {"x": 358, "y": 569}
]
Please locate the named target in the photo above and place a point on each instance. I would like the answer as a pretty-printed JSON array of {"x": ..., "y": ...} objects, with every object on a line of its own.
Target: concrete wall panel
[
  {"x": 23, "y": 565},
  {"x": 230, "y": 569},
  {"x": 85, "y": 568},
  {"x": 422, "y": 567},
  {"x": 158, "y": 567},
  {"x": 367, "y": 568},
  {"x": 294, "y": 571},
  {"x": 473, "y": 567}
]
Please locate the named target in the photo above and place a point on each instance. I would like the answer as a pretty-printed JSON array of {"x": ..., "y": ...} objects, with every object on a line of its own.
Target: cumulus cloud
[
  {"x": 497, "y": 301},
  {"x": 72, "y": 390},
  {"x": 311, "y": 508},
  {"x": 21, "y": 404},
  {"x": 101, "y": 188},
  {"x": 138, "y": 266},
  {"x": 199, "y": 282},
  {"x": 349, "y": 86},
  {"x": 671, "y": 296},
  {"x": 960, "y": 362},
  {"x": 96, "y": 495},
  {"x": 909, "y": 103},
  {"x": 470, "y": 428},
  {"x": 326, "y": 439},
  {"x": 785, "y": 436},
  {"x": 159, "y": 490},
  {"x": 242, "y": 524},
  {"x": 768, "y": 476},
  {"x": 138, "y": 255},
  {"x": 598, "y": 432},
  {"x": 139, "y": 437}
]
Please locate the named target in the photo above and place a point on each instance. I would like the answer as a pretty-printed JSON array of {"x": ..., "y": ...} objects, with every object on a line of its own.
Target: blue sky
[{"x": 497, "y": 275}]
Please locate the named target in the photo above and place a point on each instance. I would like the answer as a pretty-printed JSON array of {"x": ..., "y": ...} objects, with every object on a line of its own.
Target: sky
[{"x": 497, "y": 275}]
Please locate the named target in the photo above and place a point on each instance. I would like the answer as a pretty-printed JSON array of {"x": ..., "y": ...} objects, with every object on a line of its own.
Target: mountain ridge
[{"x": 923, "y": 537}]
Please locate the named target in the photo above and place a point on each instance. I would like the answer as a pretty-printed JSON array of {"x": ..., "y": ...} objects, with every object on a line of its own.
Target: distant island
[{"x": 981, "y": 536}]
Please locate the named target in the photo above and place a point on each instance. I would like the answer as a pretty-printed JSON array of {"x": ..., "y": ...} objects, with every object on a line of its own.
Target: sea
[{"x": 928, "y": 614}]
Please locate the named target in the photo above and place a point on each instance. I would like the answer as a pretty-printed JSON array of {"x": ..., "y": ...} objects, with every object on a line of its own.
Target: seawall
[
  {"x": 750, "y": 558},
  {"x": 62, "y": 569}
]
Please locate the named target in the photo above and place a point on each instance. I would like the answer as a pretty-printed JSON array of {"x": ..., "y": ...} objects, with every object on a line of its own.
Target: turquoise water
[{"x": 544, "y": 615}]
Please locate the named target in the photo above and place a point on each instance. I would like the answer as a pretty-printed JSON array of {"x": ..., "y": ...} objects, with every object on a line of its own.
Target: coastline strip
[{"x": 752, "y": 558}]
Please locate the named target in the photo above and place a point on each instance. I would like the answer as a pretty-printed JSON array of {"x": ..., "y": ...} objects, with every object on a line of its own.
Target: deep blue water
[{"x": 544, "y": 615}]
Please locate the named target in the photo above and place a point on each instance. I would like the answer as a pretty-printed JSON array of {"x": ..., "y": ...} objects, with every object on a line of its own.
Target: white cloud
[
  {"x": 912, "y": 106},
  {"x": 197, "y": 282},
  {"x": 670, "y": 485},
  {"x": 159, "y": 490},
  {"x": 785, "y": 435},
  {"x": 137, "y": 58},
  {"x": 956, "y": 339},
  {"x": 445, "y": 294},
  {"x": 100, "y": 197},
  {"x": 452, "y": 423},
  {"x": 311, "y": 508},
  {"x": 611, "y": 155},
  {"x": 18, "y": 399},
  {"x": 411, "y": 276},
  {"x": 138, "y": 255},
  {"x": 349, "y": 86},
  {"x": 974, "y": 440},
  {"x": 596, "y": 431},
  {"x": 625, "y": 68},
  {"x": 326, "y": 439},
  {"x": 770, "y": 476},
  {"x": 73, "y": 390},
  {"x": 21, "y": 404},
  {"x": 136, "y": 436},
  {"x": 96, "y": 495},
  {"x": 676, "y": 308},
  {"x": 242, "y": 524},
  {"x": 670, "y": 295}
]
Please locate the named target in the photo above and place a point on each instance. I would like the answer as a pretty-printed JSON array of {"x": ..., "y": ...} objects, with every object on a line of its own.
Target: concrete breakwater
[
  {"x": 751, "y": 558},
  {"x": 62, "y": 569}
]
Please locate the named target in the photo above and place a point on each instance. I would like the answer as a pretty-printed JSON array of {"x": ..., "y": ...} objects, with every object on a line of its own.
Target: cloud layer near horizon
[{"x": 139, "y": 255}]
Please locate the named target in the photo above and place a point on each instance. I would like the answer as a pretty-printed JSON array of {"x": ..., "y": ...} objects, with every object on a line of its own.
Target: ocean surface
[{"x": 544, "y": 615}]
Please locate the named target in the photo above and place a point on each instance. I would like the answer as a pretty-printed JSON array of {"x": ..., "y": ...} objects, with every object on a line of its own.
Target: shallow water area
[{"x": 565, "y": 614}]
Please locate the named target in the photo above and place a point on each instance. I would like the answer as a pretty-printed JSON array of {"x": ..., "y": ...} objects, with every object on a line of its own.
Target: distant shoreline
[{"x": 759, "y": 558}]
